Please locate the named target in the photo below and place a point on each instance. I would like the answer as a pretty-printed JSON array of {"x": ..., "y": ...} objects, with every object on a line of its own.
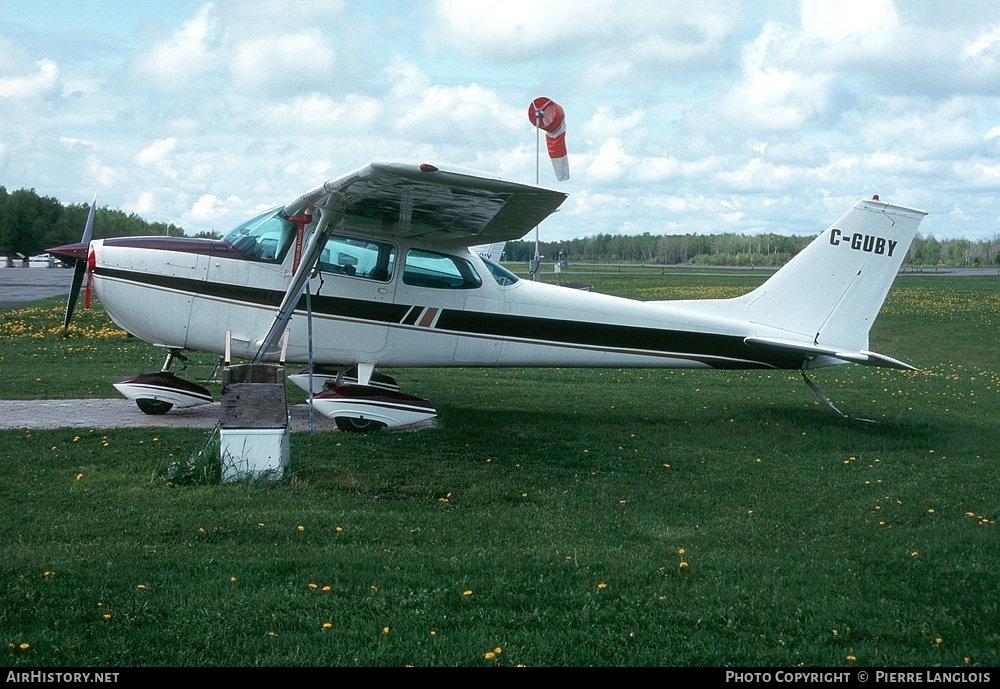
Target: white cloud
[
  {"x": 43, "y": 81},
  {"x": 835, "y": 21},
  {"x": 770, "y": 97},
  {"x": 674, "y": 109},
  {"x": 525, "y": 29},
  {"x": 611, "y": 161},
  {"x": 189, "y": 52},
  {"x": 156, "y": 153},
  {"x": 302, "y": 59}
]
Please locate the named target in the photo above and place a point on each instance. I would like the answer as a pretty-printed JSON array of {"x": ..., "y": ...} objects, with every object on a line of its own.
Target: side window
[
  {"x": 361, "y": 258},
  {"x": 439, "y": 271},
  {"x": 503, "y": 276}
]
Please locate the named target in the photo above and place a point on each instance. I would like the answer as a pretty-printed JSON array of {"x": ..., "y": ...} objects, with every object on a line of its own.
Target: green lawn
[{"x": 553, "y": 517}]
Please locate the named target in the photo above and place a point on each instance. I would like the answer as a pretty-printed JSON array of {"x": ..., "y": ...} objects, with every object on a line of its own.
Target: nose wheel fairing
[{"x": 159, "y": 392}]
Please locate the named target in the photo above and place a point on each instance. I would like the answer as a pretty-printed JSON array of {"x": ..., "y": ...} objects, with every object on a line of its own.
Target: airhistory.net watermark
[{"x": 56, "y": 677}]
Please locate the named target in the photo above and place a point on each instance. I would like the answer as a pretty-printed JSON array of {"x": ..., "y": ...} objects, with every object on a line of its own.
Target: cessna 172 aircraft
[{"x": 376, "y": 269}]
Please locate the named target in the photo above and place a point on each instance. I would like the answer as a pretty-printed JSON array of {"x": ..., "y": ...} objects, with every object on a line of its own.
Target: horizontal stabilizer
[{"x": 860, "y": 357}]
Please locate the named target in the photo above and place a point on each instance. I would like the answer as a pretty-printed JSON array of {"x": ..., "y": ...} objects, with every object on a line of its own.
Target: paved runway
[
  {"x": 122, "y": 413},
  {"x": 21, "y": 285}
]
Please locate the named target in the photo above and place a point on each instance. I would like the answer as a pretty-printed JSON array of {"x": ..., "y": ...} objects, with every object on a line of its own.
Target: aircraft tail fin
[
  {"x": 491, "y": 251},
  {"x": 828, "y": 295}
]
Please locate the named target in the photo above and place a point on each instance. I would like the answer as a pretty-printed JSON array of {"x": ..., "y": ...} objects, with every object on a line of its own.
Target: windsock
[{"x": 548, "y": 116}]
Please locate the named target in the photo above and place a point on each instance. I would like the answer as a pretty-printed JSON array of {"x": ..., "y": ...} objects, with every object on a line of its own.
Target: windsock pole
[{"x": 535, "y": 268}]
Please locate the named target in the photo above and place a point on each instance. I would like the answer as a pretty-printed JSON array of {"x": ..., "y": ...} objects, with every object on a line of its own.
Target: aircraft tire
[
  {"x": 350, "y": 424},
  {"x": 153, "y": 407}
]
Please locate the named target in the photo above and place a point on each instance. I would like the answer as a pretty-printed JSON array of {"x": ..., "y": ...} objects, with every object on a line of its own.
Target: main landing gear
[
  {"x": 161, "y": 391},
  {"x": 360, "y": 400}
]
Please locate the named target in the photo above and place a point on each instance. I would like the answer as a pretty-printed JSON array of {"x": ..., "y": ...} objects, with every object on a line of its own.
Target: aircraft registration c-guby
[{"x": 378, "y": 269}]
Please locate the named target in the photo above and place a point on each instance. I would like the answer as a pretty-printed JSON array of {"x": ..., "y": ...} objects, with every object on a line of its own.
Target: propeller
[{"x": 81, "y": 268}]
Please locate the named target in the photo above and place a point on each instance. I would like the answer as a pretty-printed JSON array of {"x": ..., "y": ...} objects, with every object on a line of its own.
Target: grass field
[{"x": 553, "y": 517}]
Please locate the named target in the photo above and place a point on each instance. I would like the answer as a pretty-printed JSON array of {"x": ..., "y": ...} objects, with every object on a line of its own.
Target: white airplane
[{"x": 376, "y": 269}]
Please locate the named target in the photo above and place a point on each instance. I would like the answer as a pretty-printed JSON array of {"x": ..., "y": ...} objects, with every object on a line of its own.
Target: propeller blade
[
  {"x": 81, "y": 269},
  {"x": 88, "y": 230}
]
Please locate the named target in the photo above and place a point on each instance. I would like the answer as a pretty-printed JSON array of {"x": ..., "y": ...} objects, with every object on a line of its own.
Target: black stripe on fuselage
[
  {"x": 718, "y": 351},
  {"x": 335, "y": 306}
]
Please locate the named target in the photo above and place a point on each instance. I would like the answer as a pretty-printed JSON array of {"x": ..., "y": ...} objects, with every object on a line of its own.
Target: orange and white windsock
[{"x": 549, "y": 116}]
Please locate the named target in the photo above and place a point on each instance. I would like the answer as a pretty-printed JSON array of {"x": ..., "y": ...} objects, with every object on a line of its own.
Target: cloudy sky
[{"x": 697, "y": 116}]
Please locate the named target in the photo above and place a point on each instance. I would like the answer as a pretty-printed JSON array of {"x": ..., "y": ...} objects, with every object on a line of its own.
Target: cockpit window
[
  {"x": 264, "y": 237},
  {"x": 361, "y": 258},
  {"x": 440, "y": 271},
  {"x": 503, "y": 276}
]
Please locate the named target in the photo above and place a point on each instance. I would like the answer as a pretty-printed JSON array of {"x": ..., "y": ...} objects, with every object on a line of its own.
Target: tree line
[
  {"x": 731, "y": 249},
  {"x": 30, "y": 223}
]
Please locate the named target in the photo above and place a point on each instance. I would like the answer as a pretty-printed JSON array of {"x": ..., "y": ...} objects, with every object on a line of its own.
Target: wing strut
[
  {"x": 331, "y": 215},
  {"x": 819, "y": 393}
]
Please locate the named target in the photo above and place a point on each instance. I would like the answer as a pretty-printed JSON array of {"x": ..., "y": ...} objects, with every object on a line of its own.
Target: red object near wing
[{"x": 549, "y": 116}]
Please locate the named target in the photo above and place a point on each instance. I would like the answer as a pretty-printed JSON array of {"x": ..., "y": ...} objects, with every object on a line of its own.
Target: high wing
[{"x": 410, "y": 201}]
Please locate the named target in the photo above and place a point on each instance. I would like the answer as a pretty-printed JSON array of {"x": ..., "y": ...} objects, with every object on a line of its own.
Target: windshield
[{"x": 264, "y": 237}]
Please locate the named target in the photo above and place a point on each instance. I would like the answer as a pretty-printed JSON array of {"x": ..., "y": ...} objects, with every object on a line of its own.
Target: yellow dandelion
[
  {"x": 312, "y": 586},
  {"x": 683, "y": 565},
  {"x": 141, "y": 587},
  {"x": 851, "y": 658},
  {"x": 489, "y": 655},
  {"x": 24, "y": 647},
  {"x": 79, "y": 476},
  {"x": 930, "y": 511},
  {"x": 374, "y": 588},
  {"x": 271, "y": 633},
  {"x": 300, "y": 527},
  {"x": 937, "y": 640},
  {"x": 232, "y": 580},
  {"x": 327, "y": 625},
  {"x": 835, "y": 632},
  {"x": 467, "y": 593},
  {"x": 602, "y": 586},
  {"x": 680, "y": 551},
  {"x": 106, "y": 616},
  {"x": 497, "y": 650},
  {"x": 326, "y": 588},
  {"x": 433, "y": 633},
  {"x": 914, "y": 553},
  {"x": 385, "y": 630},
  {"x": 339, "y": 529}
]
